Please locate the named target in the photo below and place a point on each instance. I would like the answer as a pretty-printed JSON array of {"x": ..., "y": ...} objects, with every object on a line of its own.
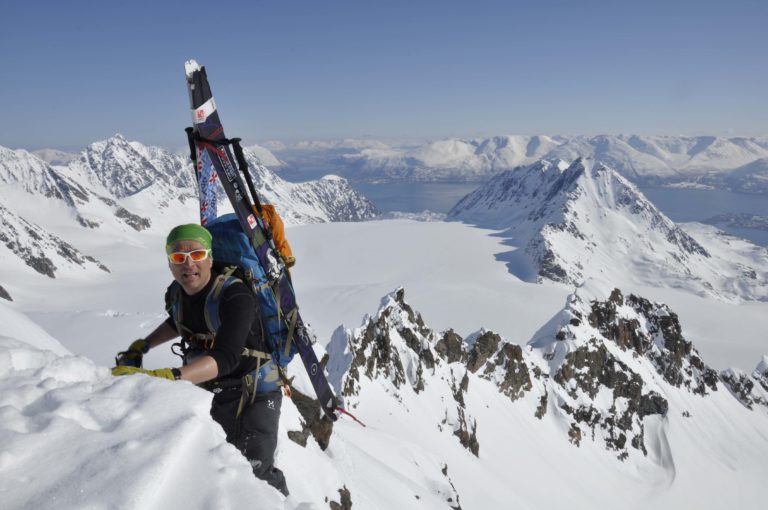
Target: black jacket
[{"x": 240, "y": 325}]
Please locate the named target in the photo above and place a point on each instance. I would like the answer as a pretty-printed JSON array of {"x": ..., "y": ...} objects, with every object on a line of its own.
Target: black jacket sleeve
[{"x": 237, "y": 312}]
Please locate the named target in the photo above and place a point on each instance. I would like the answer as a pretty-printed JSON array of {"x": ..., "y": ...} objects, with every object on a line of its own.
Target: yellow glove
[{"x": 174, "y": 374}]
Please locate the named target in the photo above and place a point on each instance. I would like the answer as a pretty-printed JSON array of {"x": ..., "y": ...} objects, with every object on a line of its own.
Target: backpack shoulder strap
[
  {"x": 174, "y": 306},
  {"x": 223, "y": 281}
]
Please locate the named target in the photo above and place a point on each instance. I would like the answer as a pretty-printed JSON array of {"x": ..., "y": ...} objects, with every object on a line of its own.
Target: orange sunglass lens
[
  {"x": 198, "y": 255},
  {"x": 177, "y": 257}
]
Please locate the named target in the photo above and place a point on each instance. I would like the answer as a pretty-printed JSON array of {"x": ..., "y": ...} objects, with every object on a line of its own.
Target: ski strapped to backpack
[{"x": 284, "y": 329}]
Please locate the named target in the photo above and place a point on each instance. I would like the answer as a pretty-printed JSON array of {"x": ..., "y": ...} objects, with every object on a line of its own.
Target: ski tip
[{"x": 190, "y": 66}]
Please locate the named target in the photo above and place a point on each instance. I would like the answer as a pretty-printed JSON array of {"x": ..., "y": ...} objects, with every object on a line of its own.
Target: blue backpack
[{"x": 235, "y": 258}]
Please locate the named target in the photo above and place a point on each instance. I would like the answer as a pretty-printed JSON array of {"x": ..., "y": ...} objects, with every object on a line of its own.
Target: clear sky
[{"x": 78, "y": 71}]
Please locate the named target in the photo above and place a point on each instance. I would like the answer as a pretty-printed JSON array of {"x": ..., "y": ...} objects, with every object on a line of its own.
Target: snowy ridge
[
  {"x": 643, "y": 159},
  {"x": 38, "y": 249},
  {"x": 117, "y": 166},
  {"x": 325, "y": 200},
  {"x": 22, "y": 171},
  {"x": 586, "y": 220}
]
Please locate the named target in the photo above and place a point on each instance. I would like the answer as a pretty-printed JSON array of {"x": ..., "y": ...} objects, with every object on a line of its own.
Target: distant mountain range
[
  {"x": 584, "y": 220},
  {"x": 117, "y": 184},
  {"x": 737, "y": 163}
]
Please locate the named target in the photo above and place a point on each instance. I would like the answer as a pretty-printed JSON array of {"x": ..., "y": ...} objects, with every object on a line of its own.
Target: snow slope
[{"x": 72, "y": 436}]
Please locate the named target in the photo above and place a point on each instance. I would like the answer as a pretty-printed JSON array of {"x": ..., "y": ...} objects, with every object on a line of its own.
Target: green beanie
[{"x": 188, "y": 232}]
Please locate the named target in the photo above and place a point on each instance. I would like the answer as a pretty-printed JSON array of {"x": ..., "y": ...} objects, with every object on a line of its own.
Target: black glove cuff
[{"x": 176, "y": 373}]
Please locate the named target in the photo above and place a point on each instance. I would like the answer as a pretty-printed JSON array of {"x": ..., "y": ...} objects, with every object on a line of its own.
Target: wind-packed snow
[{"x": 73, "y": 436}]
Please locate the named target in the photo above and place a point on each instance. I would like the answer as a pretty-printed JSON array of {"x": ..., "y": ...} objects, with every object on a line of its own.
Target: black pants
[{"x": 254, "y": 433}]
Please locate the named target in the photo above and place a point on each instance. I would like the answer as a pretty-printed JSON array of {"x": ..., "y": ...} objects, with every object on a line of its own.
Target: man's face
[{"x": 192, "y": 276}]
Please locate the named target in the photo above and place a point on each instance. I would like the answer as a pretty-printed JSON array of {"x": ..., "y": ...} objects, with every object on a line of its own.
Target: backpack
[{"x": 235, "y": 259}]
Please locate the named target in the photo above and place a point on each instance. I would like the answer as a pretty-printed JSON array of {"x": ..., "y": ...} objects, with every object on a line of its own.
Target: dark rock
[
  {"x": 451, "y": 347},
  {"x": 517, "y": 379},
  {"x": 675, "y": 359},
  {"x": 574, "y": 434},
  {"x": 593, "y": 367},
  {"x": 136, "y": 222},
  {"x": 313, "y": 422},
  {"x": 741, "y": 386},
  {"x": 485, "y": 346},
  {"x": 541, "y": 410},
  {"x": 4, "y": 294},
  {"x": 345, "y": 501},
  {"x": 467, "y": 435}
]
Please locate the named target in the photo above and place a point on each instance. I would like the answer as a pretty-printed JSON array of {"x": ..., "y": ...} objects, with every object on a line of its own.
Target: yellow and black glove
[
  {"x": 174, "y": 374},
  {"x": 134, "y": 355}
]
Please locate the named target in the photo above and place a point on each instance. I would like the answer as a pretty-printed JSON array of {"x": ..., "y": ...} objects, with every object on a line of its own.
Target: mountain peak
[{"x": 558, "y": 218}]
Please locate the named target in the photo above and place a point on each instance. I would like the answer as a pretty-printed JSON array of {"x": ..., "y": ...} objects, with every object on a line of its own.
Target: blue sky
[{"x": 78, "y": 71}]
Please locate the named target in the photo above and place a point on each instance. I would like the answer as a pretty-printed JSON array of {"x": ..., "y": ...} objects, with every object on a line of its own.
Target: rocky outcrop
[
  {"x": 744, "y": 387},
  {"x": 4, "y": 294},
  {"x": 660, "y": 340},
  {"x": 397, "y": 351},
  {"x": 313, "y": 421},
  {"x": 345, "y": 500},
  {"x": 600, "y": 368}
]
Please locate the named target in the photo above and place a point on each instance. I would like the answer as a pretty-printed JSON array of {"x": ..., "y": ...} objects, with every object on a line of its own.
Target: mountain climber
[{"x": 227, "y": 360}]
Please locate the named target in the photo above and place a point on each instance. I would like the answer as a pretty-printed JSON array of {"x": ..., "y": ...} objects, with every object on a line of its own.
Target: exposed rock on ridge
[{"x": 600, "y": 368}]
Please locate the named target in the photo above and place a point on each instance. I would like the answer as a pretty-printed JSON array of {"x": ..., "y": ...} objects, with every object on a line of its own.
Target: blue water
[
  {"x": 683, "y": 205},
  {"x": 414, "y": 197}
]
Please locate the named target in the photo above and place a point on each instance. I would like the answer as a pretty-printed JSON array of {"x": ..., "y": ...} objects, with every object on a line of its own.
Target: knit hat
[{"x": 188, "y": 232}]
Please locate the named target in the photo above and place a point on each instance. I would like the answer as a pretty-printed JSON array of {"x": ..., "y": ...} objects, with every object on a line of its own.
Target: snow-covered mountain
[
  {"x": 132, "y": 170},
  {"x": 750, "y": 178},
  {"x": 609, "y": 380},
  {"x": 448, "y": 160},
  {"x": 643, "y": 159},
  {"x": 116, "y": 185},
  {"x": 26, "y": 172},
  {"x": 38, "y": 249},
  {"x": 325, "y": 200},
  {"x": 571, "y": 222},
  {"x": 122, "y": 168}
]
